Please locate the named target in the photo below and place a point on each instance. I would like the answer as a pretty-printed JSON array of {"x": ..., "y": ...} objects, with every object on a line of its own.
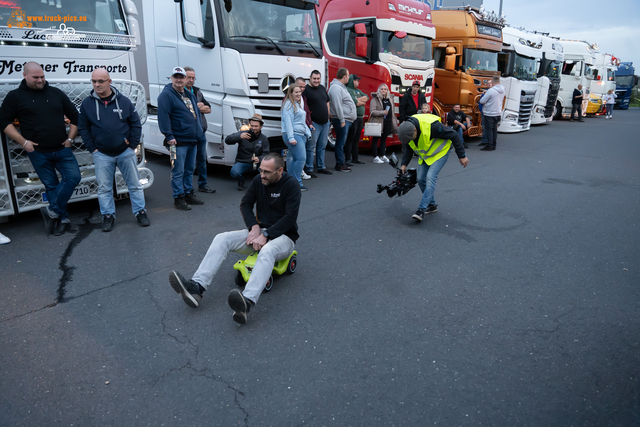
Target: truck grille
[
  {"x": 552, "y": 97},
  {"x": 267, "y": 104},
  {"x": 527, "y": 99}
]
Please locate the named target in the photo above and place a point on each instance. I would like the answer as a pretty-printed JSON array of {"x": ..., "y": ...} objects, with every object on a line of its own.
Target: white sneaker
[
  {"x": 377, "y": 160},
  {"x": 4, "y": 239},
  {"x": 305, "y": 176},
  {"x": 384, "y": 159}
]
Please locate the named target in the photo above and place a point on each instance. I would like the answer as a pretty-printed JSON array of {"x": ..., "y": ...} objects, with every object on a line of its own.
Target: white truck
[
  {"x": 518, "y": 64},
  {"x": 604, "y": 74},
  {"x": 548, "y": 80},
  {"x": 245, "y": 54},
  {"x": 579, "y": 57},
  {"x": 70, "y": 39}
]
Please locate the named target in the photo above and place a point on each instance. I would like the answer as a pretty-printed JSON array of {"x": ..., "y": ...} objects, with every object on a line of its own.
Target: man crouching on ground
[{"x": 272, "y": 229}]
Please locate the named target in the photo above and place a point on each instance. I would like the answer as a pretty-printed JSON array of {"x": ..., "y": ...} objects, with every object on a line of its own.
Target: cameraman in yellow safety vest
[{"x": 432, "y": 148}]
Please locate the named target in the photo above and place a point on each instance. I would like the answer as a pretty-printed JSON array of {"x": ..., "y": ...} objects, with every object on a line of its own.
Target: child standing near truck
[{"x": 609, "y": 99}]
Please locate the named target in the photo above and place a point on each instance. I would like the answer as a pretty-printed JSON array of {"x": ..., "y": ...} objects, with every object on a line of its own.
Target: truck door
[
  {"x": 203, "y": 55},
  {"x": 447, "y": 82}
]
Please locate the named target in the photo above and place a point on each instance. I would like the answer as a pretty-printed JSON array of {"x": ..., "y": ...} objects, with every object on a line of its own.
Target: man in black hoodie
[
  {"x": 271, "y": 229},
  {"x": 41, "y": 110},
  {"x": 110, "y": 128}
]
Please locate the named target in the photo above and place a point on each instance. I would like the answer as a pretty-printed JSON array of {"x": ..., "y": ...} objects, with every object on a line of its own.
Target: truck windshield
[
  {"x": 624, "y": 81},
  {"x": 482, "y": 60},
  {"x": 524, "y": 68},
  {"x": 553, "y": 69},
  {"x": 95, "y": 16},
  {"x": 282, "y": 21},
  {"x": 413, "y": 47}
]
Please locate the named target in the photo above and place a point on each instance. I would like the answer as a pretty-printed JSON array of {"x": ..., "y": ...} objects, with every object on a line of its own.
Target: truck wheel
[
  {"x": 239, "y": 279},
  {"x": 269, "y": 284},
  {"x": 557, "y": 111},
  {"x": 293, "y": 265},
  {"x": 331, "y": 139}
]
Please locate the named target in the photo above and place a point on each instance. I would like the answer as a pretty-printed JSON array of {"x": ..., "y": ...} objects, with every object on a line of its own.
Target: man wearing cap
[
  {"x": 180, "y": 122},
  {"x": 253, "y": 145},
  {"x": 205, "y": 108},
  {"x": 360, "y": 99},
  {"x": 431, "y": 141},
  {"x": 411, "y": 102}
]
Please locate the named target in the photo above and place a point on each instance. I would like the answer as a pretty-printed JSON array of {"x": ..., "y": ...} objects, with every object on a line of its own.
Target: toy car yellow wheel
[
  {"x": 269, "y": 284},
  {"x": 239, "y": 279},
  {"x": 293, "y": 264}
]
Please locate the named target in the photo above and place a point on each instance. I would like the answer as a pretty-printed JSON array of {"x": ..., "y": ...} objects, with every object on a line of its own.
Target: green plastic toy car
[{"x": 287, "y": 265}]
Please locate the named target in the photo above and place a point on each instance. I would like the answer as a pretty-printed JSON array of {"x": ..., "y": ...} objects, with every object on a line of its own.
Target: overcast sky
[{"x": 613, "y": 24}]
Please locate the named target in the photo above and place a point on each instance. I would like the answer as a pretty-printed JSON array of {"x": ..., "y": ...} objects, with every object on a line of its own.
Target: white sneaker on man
[
  {"x": 384, "y": 159},
  {"x": 377, "y": 160},
  {"x": 4, "y": 239},
  {"x": 305, "y": 176}
]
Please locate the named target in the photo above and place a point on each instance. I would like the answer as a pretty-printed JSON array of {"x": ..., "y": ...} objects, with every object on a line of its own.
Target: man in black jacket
[
  {"x": 576, "y": 103},
  {"x": 205, "y": 108},
  {"x": 110, "y": 128},
  {"x": 411, "y": 102},
  {"x": 271, "y": 229},
  {"x": 252, "y": 146},
  {"x": 41, "y": 109}
]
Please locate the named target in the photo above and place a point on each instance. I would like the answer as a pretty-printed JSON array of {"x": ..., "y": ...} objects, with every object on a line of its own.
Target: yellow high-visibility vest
[{"x": 429, "y": 151}]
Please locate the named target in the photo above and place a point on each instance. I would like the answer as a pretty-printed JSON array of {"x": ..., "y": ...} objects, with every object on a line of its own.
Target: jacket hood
[
  {"x": 499, "y": 88},
  {"x": 350, "y": 83},
  {"x": 25, "y": 86},
  {"x": 114, "y": 97}
]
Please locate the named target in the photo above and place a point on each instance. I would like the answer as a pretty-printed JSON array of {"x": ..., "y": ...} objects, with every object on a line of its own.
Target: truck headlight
[
  {"x": 513, "y": 117},
  {"x": 240, "y": 124},
  {"x": 595, "y": 101}
]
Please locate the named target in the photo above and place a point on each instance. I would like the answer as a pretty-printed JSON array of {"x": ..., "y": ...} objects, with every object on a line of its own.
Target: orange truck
[{"x": 465, "y": 52}]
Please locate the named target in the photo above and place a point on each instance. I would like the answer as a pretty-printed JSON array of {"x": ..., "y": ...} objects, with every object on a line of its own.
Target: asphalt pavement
[{"x": 516, "y": 304}]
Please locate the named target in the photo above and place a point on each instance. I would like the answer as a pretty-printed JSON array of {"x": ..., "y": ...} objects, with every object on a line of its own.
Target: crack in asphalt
[
  {"x": 206, "y": 372},
  {"x": 556, "y": 320}
]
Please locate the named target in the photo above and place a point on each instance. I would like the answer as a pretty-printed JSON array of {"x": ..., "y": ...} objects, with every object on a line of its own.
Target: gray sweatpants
[{"x": 236, "y": 241}]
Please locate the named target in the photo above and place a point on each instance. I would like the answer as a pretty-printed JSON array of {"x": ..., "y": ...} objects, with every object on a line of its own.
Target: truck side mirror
[
  {"x": 400, "y": 34},
  {"x": 361, "y": 46},
  {"x": 360, "y": 29},
  {"x": 193, "y": 19},
  {"x": 450, "y": 59}
]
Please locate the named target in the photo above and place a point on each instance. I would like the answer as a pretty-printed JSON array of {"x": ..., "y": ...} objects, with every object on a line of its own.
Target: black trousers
[
  {"x": 578, "y": 108},
  {"x": 491, "y": 129},
  {"x": 353, "y": 139}
]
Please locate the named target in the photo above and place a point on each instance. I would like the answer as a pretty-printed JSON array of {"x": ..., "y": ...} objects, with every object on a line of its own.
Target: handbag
[{"x": 372, "y": 129}]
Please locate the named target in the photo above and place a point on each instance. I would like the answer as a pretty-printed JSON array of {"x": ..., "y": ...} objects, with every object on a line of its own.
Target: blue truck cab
[{"x": 625, "y": 81}]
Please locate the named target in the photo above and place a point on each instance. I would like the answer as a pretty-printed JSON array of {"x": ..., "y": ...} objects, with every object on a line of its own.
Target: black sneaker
[
  {"x": 343, "y": 168},
  {"x": 60, "y": 228},
  {"x": 240, "y": 306},
  {"x": 311, "y": 173},
  {"x": 240, "y": 185},
  {"x": 348, "y": 164},
  {"x": 358, "y": 162},
  {"x": 482, "y": 144},
  {"x": 49, "y": 222},
  {"x": 418, "y": 215},
  {"x": 180, "y": 203},
  {"x": 190, "y": 290},
  {"x": 325, "y": 171},
  {"x": 107, "y": 222},
  {"x": 487, "y": 148},
  {"x": 143, "y": 219},
  {"x": 206, "y": 189},
  {"x": 431, "y": 209},
  {"x": 191, "y": 199}
]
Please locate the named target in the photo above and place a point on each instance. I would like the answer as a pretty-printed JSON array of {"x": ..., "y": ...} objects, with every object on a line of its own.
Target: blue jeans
[
  {"x": 341, "y": 138},
  {"x": 201, "y": 164},
  {"x": 127, "y": 162},
  {"x": 182, "y": 170},
  {"x": 58, "y": 192},
  {"x": 318, "y": 143},
  {"x": 427, "y": 177},
  {"x": 238, "y": 169},
  {"x": 491, "y": 130},
  {"x": 609, "y": 109},
  {"x": 460, "y": 132},
  {"x": 296, "y": 157}
]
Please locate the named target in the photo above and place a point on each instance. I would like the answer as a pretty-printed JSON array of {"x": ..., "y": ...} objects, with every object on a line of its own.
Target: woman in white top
[{"x": 609, "y": 99}]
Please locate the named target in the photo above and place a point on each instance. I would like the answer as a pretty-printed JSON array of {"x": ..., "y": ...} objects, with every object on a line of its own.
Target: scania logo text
[
  {"x": 413, "y": 77},
  {"x": 409, "y": 9}
]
